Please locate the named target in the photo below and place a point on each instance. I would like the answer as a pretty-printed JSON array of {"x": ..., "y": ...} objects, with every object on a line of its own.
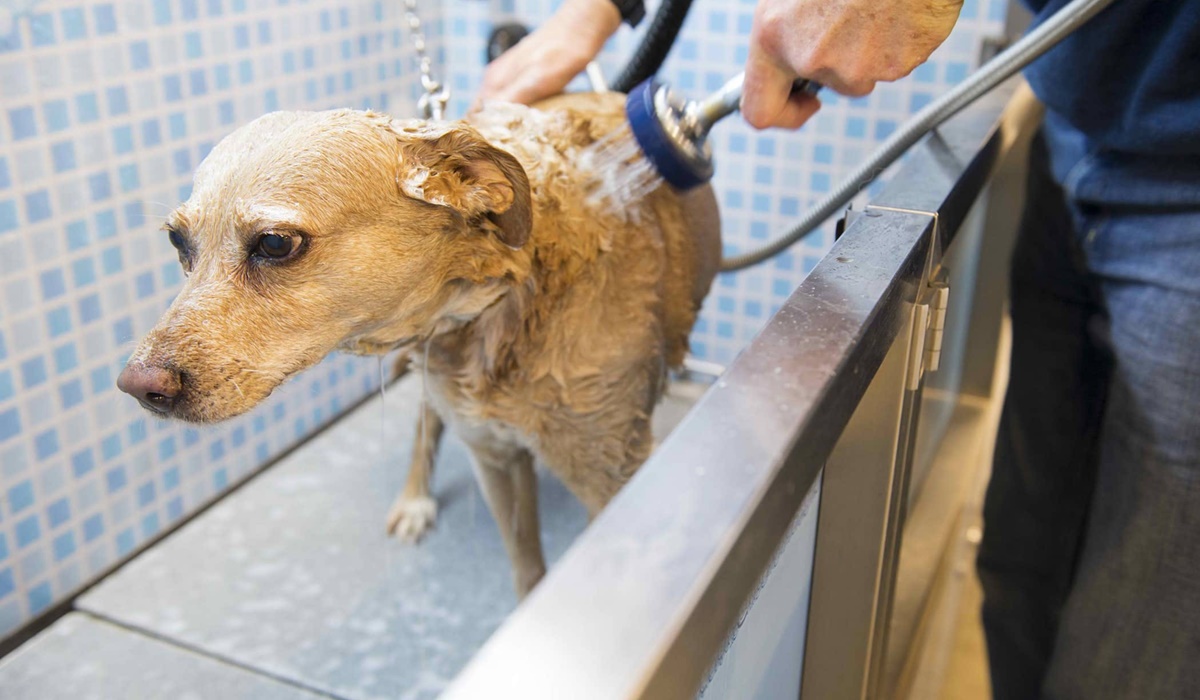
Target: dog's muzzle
[{"x": 156, "y": 388}]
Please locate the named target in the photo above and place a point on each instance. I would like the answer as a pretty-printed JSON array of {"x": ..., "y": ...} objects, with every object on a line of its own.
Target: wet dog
[{"x": 544, "y": 315}]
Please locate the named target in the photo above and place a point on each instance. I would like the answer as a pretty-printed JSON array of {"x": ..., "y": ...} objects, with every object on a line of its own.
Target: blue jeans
[{"x": 1090, "y": 560}]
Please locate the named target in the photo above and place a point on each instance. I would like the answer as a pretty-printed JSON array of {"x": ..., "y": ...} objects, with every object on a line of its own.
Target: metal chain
[{"x": 432, "y": 103}]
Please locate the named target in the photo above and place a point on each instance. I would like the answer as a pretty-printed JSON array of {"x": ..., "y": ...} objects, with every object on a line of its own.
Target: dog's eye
[
  {"x": 177, "y": 241},
  {"x": 181, "y": 246},
  {"x": 277, "y": 245}
]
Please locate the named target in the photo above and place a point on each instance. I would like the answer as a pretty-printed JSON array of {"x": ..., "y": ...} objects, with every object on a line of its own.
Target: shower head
[{"x": 673, "y": 132}]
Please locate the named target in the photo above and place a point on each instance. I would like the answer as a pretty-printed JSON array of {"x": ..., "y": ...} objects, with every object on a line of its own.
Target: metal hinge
[
  {"x": 939, "y": 300},
  {"x": 929, "y": 326},
  {"x": 929, "y": 310}
]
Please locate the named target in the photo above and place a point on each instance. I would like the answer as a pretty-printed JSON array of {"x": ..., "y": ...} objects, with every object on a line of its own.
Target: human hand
[
  {"x": 846, "y": 45},
  {"x": 542, "y": 64}
]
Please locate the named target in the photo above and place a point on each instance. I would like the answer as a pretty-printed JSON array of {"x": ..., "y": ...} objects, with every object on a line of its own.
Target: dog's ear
[{"x": 452, "y": 166}]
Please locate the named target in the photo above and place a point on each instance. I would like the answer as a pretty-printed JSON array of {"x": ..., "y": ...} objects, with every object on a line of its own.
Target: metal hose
[{"x": 991, "y": 74}]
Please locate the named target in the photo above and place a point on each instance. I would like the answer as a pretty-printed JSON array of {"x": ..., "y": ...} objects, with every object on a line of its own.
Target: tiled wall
[
  {"x": 106, "y": 106},
  {"x": 763, "y": 180},
  {"x": 105, "y": 109}
]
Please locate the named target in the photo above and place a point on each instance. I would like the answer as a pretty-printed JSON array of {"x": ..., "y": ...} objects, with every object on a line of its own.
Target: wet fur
[{"x": 543, "y": 317}]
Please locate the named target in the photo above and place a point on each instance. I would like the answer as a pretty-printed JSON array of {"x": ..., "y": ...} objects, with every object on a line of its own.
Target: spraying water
[
  {"x": 621, "y": 172},
  {"x": 664, "y": 139}
]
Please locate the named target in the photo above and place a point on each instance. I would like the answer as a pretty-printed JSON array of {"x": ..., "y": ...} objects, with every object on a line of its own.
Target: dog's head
[{"x": 310, "y": 232}]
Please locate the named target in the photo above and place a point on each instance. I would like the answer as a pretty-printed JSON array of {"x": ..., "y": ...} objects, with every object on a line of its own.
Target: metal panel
[
  {"x": 856, "y": 505},
  {"x": 642, "y": 603}
]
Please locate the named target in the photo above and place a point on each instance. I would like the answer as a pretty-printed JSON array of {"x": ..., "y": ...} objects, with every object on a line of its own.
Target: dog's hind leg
[
  {"x": 595, "y": 478},
  {"x": 506, "y": 475},
  {"x": 415, "y": 510}
]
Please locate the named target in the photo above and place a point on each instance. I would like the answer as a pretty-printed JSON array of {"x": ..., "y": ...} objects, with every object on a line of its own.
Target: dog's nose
[{"x": 154, "y": 387}]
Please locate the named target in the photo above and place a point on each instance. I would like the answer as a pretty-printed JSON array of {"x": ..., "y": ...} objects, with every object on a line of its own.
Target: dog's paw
[{"x": 411, "y": 517}]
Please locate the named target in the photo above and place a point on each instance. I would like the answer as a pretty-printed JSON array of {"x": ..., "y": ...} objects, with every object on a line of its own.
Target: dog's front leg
[
  {"x": 509, "y": 484},
  {"x": 415, "y": 510}
]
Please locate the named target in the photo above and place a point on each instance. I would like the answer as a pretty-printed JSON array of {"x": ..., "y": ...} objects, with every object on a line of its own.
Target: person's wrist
[{"x": 591, "y": 22}]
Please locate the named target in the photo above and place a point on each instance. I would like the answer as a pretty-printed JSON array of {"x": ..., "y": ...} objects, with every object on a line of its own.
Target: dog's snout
[{"x": 156, "y": 388}]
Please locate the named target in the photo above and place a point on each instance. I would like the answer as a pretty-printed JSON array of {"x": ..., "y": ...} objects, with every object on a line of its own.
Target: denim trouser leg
[
  {"x": 1131, "y": 624},
  {"x": 1094, "y": 592},
  {"x": 1044, "y": 467}
]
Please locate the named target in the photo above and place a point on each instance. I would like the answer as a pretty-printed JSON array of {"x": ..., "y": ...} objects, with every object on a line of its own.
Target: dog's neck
[{"x": 459, "y": 306}]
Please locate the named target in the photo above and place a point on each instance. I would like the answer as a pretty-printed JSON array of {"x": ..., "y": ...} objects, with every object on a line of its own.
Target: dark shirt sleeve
[{"x": 632, "y": 11}]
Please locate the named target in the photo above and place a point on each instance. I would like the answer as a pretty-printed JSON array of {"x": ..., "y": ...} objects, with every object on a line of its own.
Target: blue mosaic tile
[
  {"x": 110, "y": 261},
  {"x": 82, "y": 462},
  {"x": 23, "y": 123},
  {"x": 192, "y": 46},
  {"x": 33, "y": 372},
  {"x": 89, "y": 309},
  {"x": 177, "y": 126},
  {"x": 27, "y": 530},
  {"x": 73, "y": 23},
  {"x": 83, "y": 272},
  {"x": 100, "y": 186},
  {"x": 71, "y": 394},
  {"x": 135, "y": 216},
  {"x": 8, "y": 216},
  {"x": 162, "y": 12},
  {"x": 139, "y": 55},
  {"x": 118, "y": 101},
  {"x": 93, "y": 527},
  {"x": 122, "y": 137},
  {"x": 40, "y": 597},
  {"x": 53, "y": 283},
  {"x": 58, "y": 321},
  {"x": 62, "y": 154},
  {"x": 126, "y": 540},
  {"x": 56, "y": 115},
  {"x": 37, "y": 206},
  {"x": 41, "y": 27},
  {"x": 45, "y": 445},
  {"x": 64, "y": 546},
  {"x": 58, "y": 512},
  {"x": 105, "y": 18},
  {"x": 197, "y": 83},
  {"x": 101, "y": 380},
  {"x": 370, "y": 55},
  {"x": 65, "y": 358},
  {"x": 20, "y": 497},
  {"x": 106, "y": 224}
]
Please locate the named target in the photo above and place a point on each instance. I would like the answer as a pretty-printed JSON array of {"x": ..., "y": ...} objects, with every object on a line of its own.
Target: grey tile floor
[
  {"x": 292, "y": 582},
  {"x": 82, "y": 657}
]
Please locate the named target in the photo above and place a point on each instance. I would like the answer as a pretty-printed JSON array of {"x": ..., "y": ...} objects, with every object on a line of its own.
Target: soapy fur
[{"x": 544, "y": 317}]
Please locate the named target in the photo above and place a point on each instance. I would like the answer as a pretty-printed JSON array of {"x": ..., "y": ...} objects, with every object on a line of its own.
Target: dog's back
[{"x": 672, "y": 238}]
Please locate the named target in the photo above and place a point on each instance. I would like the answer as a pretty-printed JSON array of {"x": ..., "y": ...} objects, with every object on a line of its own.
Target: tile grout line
[{"x": 204, "y": 653}]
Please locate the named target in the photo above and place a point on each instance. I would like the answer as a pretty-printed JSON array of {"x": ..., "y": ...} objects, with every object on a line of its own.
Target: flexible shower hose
[
  {"x": 990, "y": 75},
  {"x": 657, "y": 42}
]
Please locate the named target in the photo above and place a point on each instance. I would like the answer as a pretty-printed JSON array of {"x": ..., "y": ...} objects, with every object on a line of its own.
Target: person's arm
[
  {"x": 542, "y": 64},
  {"x": 846, "y": 45}
]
